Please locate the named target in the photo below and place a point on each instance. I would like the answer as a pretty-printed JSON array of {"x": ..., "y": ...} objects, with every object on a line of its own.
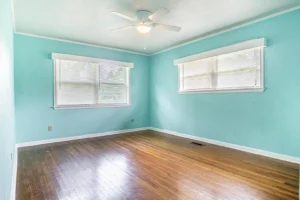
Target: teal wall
[
  {"x": 269, "y": 121},
  {"x": 34, "y": 93},
  {"x": 7, "y": 133}
]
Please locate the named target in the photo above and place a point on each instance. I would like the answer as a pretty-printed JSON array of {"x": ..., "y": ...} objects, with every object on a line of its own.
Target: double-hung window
[
  {"x": 235, "y": 68},
  {"x": 82, "y": 82}
]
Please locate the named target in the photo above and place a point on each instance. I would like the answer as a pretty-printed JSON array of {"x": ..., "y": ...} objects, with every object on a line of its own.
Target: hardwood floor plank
[
  {"x": 209, "y": 185},
  {"x": 150, "y": 165},
  {"x": 228, "y": 167}
]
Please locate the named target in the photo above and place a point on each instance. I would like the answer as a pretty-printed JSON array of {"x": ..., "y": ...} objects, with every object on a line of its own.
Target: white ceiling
[{"x": 90, "y": 21}]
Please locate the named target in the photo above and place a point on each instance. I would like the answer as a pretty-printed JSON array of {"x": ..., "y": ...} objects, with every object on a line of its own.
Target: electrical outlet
[
  {"x": 11, "y": 156},
  {"x": 132, "y": 120},
  {"x": 49, "y": 128}
]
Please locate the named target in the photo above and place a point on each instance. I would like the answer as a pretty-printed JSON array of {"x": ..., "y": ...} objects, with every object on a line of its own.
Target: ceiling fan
[{"x": 144, "y": 21}]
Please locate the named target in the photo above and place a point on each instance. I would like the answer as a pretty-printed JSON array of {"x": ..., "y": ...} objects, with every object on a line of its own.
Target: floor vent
[{"x": 197, "y": 143}]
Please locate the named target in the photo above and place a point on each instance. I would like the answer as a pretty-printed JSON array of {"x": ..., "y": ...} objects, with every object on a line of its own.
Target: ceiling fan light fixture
[
  {"x": 145, "y": 21},
  {"x": 144, "y": 28}
]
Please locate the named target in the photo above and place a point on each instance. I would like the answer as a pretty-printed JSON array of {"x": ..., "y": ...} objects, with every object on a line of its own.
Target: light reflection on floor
[{"x": 111, "y": 173}]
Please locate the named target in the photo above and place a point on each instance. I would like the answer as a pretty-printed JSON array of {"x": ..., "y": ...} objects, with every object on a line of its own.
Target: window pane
[
  {"x": 112, "y": 94},
  {"x": 239, "y": 60},
  {"x": 112, "y": 74},
  {"x": 239, "y": 70},
  {"x": 197, "y": 83},
  {"x": 197, "y": 74},
  {"x": 244, "y": 79},
  {"x": 76, "y": 83}
]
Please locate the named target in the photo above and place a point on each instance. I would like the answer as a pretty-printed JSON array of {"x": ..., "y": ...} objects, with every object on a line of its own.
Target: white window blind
[
  {"x": 76, "y": 83},
  {"x": 194, "y": 77},
  {"x": 235, "y": 71},
  {"x": 113, "y": 84},
  {"x": 80, "y": 82}
]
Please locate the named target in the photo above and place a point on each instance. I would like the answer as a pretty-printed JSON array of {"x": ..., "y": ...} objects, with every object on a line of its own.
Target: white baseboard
[
  {"x": 34, "y": 143},
  {"x": 233, "y": 146},
  {"x": 14, "y": 175},
  {"x": 215, "y": 142}
]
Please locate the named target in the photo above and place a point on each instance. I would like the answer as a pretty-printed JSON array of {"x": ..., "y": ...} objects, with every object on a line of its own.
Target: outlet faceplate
[{"x": 49, "y": 128}]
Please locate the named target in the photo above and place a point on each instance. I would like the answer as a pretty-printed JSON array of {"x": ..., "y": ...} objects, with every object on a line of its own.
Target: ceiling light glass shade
[{"x": 144, "y": 28}]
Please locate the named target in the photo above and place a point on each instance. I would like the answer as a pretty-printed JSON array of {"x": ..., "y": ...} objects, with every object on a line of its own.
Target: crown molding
[
  {"x": 80, "y": 43},
  {"x": 228, "y": 29},
  {"x": 201, "y": 37},
  {"x": 64, "y": 40},
  {"x": 68, "y": 41}
]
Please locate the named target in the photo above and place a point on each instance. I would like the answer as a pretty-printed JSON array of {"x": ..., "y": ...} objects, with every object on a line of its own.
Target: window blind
[
  {"x": 75, "y": 83},
  {"x": 241, "y": 70},
  {"x": 113, "y": 84},
  {"x": 79, "y": 83},
  {"x": 194, "y": 77}
]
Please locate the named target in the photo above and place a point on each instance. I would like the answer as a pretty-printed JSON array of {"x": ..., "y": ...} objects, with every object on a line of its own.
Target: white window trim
[
  {"x": 261, "y": 42},
  {"x": 220, "y": 51},
  {"x": 56, "y": 56},
  {"x": 231, "y": 90},
  {"x": 80, "y": 106}
]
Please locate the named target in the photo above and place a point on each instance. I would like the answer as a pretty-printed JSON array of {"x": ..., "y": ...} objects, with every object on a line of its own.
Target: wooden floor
[{"x": 150, "y": 165}]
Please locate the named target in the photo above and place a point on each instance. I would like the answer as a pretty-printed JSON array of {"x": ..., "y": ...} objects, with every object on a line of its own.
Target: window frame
[
  {"x": 56, "y": 57},
  {"x": 251, "y": 44}
]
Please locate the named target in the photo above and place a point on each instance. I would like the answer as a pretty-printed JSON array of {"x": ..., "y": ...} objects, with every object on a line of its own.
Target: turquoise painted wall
[
  {"x": 7, "y": 133},
  {"x": 34, "y": 93},
  {"x": 269, "y": 121}
]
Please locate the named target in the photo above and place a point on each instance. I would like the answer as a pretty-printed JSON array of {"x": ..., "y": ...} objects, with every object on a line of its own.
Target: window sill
[
  {"x": 222, "y": 91},
  {"x": 62, "y": 107}
]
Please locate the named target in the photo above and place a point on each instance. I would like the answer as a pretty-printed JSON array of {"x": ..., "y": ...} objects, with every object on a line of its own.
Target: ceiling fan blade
[
  {"x": 167, "y": 27},
  {"x": 123, "y": 16},
  {"x": 158, "y": 14},
  {"x": 124, "y": 27}
]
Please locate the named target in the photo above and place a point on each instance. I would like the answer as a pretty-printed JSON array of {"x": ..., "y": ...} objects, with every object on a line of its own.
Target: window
[
  {"x": 235, "y": 68},
  {"x": 82, "y": 82}
]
